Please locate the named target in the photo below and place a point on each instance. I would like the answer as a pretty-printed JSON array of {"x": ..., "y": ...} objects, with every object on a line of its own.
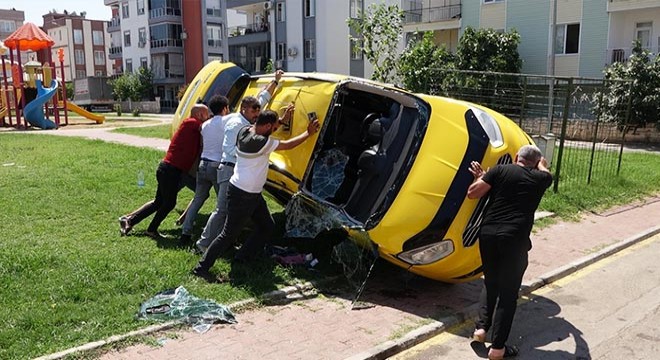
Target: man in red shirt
[{"x": 180, "y": 157}]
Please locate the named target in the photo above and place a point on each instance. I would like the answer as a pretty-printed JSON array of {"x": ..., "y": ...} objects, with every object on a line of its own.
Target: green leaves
[
  {"x": 379, "y": 30},
  {"x": 133, "y": 86},
  {"x": 641, "y": 93}
]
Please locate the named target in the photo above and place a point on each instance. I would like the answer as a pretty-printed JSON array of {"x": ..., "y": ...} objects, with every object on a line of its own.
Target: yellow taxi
[{"x": 388, "y": 166}]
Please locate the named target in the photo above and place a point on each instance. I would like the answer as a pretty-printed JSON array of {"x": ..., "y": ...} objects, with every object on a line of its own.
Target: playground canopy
[{"x": 29, "y": 37}]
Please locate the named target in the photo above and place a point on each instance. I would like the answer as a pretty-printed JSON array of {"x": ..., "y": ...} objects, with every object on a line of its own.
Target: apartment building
[
  {"x": 442, "y": 17},
  {"x": 590, "y": 34},
  {"x": 298, "y": 35},
  {"x": 174, "y": 38},
  {"x": 10, "y": 20},
  {"x": 83, "y": 41}
]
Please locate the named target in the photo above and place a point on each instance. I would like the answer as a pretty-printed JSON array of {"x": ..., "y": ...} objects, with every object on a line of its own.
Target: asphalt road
[{"x": 609, "y": 310}]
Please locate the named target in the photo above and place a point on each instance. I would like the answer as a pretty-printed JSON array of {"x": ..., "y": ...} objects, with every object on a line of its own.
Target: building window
[
  {"x": 81, "y": 74},
  {"x": 127, "y": 38},
  {"x": 99, "y": 73},
  {"x": 643, "y": 34},
  {"x": 99, "y": 57},
  {"x": 164, "y": 35},
  {"x": 79, "y": 55},
  {"x": 124, "y": 10},
  {"x": 492, "y": 1},
  {"x": 77, "y": 36},
  {"x": 97, "y": 37},
  {"x": 143, "y": 63},
  {"x": 129, "y": 65},
  {"x": 280, "y": 11},
  {"x": 310, "y": 8},
  {"x": 281, "y": 51},
  {"x": 7, "y": 26},
  {"x": 568, "y": 39},
  {"x": 355, "y": 8},
  {"x": 214, "y": 35},
  {"x": 356, "y": 49},
  {"x": 140, "y": 7},
  {"x": 310, "y": 49},
  {"x": 142, "y": 37}
]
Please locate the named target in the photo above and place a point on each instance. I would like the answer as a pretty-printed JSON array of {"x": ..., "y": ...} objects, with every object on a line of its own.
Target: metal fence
[{"x": 560, "y": 113}]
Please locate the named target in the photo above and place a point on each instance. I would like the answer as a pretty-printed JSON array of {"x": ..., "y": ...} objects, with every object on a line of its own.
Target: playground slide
[
  {"x": 34, "y": 110},
  {"x": 80, "y": 111}
]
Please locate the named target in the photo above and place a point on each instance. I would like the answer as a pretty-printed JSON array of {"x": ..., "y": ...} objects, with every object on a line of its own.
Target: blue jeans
[
  {"x": 206, "y": 179},
  {"x": 217, "y": 217},
  {"x": 241, "y": 207}
]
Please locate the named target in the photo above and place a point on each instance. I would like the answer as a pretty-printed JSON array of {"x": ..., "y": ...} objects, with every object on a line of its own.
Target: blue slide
[{"x": 34, "y": 110}]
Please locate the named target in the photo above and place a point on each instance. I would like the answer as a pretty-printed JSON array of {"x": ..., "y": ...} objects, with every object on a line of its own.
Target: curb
[
  {"x": 286, "y": 292},
  {"x": 390, "y": 348}
]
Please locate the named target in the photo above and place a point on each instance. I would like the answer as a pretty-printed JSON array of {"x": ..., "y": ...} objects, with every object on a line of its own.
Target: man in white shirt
[
  {"x": 213, "y": 133},
  {"x": 244, "y": 199},
  {"x": 250, "y": 109}
]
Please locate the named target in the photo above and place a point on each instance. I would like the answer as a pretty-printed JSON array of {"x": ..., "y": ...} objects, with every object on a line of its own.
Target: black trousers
[
  {"x": 504, "y": 259},
  {"x": 241, "y": 207},
  {"x": 169, "y": 184}
]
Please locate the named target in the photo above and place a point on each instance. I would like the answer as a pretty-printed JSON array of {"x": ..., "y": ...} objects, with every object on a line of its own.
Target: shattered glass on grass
[
  {"x": 178, "y": 304},
  {"x": 328, "y": 173}
]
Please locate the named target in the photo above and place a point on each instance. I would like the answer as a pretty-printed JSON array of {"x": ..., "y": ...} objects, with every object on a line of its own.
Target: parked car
[{"x": 388, "y": 166}]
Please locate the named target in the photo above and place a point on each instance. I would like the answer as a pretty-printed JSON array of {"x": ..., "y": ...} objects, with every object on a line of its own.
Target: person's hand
[
  {"x": 476, "y": 170},
  {"x": 313, "y": 127},
  {"x": 278, "y": 75},
  {"x": 543, "y": 162},
  {"x": 288, "y": 114}
]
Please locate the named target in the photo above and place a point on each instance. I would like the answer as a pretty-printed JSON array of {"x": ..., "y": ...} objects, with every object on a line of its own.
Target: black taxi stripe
[{"x": 476, "y": 149}]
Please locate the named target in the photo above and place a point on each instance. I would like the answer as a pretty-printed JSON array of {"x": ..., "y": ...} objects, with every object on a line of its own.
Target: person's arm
[
  {"x": 312, "y": 128},
  {"x": 543, "y": 165},
  {"x": 273, "y": 84},
  {"x": 479, "y": 187}
]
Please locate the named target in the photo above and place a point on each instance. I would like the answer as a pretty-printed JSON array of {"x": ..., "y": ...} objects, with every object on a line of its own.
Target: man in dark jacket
[{"x": 515, "y": 191}]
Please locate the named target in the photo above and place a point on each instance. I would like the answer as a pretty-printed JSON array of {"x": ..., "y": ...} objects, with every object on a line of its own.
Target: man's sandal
[{"x": 499, "y": 354}]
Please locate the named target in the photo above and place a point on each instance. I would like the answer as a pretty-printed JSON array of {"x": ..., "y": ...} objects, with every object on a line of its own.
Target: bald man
[{"x": 181, "y": 155}]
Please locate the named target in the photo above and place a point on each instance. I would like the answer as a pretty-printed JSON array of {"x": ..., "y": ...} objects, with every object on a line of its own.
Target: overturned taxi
[{"x": 388, "y": 166}]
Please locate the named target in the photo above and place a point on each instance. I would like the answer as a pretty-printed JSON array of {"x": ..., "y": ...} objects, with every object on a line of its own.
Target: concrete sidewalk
[{"x": 402, "y": 310}]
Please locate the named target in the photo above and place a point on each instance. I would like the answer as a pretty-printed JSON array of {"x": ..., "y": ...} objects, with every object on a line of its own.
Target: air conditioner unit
[
  {"x": 268, "y": 5},
  {"x": 292, "y": 51}
]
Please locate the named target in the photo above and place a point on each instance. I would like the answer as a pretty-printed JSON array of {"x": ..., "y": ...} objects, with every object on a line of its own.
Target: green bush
[
  {"x": 118, "y": 109},
  {"x": 136, "y": 112}
]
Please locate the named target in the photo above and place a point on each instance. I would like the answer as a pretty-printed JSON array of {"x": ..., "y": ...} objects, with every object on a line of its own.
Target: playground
[{"x": 31, "y": 96}]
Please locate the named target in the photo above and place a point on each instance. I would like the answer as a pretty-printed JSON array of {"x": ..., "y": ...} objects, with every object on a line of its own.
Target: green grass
[
  {"x": 639, "y": 177},
  {"x": 157, "y": 131},
  {"x": 68, "y": 278}
]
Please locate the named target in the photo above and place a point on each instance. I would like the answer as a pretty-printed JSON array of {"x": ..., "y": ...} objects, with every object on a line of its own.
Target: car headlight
[
  {"x": 490, "y": 126},
  {"x": 427, "y": 254}
]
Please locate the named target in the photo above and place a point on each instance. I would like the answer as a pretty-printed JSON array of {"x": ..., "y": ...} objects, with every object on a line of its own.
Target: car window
[{"x": 231, "y": 83}]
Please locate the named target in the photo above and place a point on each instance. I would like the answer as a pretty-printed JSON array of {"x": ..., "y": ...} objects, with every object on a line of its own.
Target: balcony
[
  {"x": 214, "y": 12},
  {"x": 168, "y": 76},
  {"x": 163, "y": 46},
  {"x": 252, "y": 33},
  {"x": 110, "y": 2},
  {"x": 432, "y": 14},
  {"x": 114, "y": 25},
  {"x": 231, "y": 4},
  {"x": 622, "y": 54},
  {"x": 626, "y": 5},
  {"x": 115, "y": 52},
  {"x": 166, "y": 14}
]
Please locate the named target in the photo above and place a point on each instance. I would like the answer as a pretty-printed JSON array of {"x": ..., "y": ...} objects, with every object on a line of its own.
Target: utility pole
[{"x": 552, "y": 39}]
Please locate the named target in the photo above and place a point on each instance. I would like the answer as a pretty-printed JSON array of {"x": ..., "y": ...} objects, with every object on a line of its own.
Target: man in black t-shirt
[{"x": 515, "y": 191}]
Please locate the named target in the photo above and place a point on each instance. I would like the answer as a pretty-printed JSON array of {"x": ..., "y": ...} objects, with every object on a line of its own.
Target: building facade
[
  {"x": 83, "y": 41},
  {"x": 590, "y": 34},
  {"x": 10, "y": 20},
  {"x": 154, "y": 34},
  {"x": 298, "y": 35}
]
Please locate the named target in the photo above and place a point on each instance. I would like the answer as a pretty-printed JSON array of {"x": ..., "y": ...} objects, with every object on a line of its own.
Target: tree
[
  {"x": 144, "y": 86},
  {"x": 423, "y": 65},
  {"x": 641, "y": 94},
  {"x": 126, "y": 87},
  {"x": 488, "y": 50},
  {"x": 379, "y": 30}
]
